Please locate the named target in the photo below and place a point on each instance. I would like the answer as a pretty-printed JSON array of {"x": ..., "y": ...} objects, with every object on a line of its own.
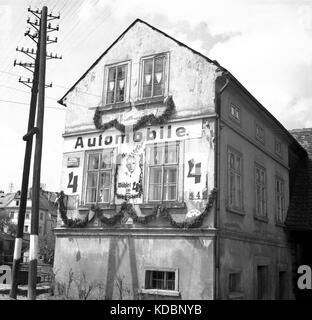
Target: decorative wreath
[
  {"x": 127, "y": 208},
  {"x": 145, "y": 120}
]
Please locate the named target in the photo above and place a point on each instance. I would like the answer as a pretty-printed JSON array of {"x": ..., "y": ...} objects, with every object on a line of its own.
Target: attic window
[
  {"x": 153, "y": 77},
  {"x": 116, "y": 84}
]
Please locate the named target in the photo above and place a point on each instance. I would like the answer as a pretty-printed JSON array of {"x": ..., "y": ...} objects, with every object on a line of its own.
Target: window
[
  {"x": 116, "y": 84},
  {"x": 41, "y": 215},
  {"x": 235, "y": 112},
  {"x": 280, "y": 199},
  {"x": 234, "y": 282},
  {"x": 26, "y": 229},
  {"x": 154, "y": 76},
  {"x": 163, "y": 171},
  {"x": 235, "y": 180},
  {"x": 27, "y": 215},
  {"x": 259, "y": 133},
  {"x": 40, "y": 230},
  {"x": 260, "y": 191},
  {"x": 17, "y": 203},
  {"x": 99, "y": 168},
  {"x": 262, "y": 282},
  {"x": 161, "y": 280},
  {"x": 278, "y": 147},
  {"x": 11, "y": 215}
]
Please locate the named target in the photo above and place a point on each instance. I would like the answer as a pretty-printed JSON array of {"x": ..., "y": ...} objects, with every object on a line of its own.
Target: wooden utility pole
[
  {"x": 33, "y": 250},
  {"x": 40, "y": 55},
  {"x": 24, "y": 190}
]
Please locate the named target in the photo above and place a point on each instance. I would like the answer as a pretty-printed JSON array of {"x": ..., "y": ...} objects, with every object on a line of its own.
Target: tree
[
  {"x": 7, "y": 226},
  {"x": 46, "y": 247}
]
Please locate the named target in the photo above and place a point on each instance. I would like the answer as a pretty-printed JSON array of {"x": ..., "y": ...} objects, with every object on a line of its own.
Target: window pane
[
  {"x": 92, "y": 180},
  {"x": 103, "y": 194},
  {"x": 91, "y": 195},
  {"x": 111, "y": 85},
  {"x": 147, "y": 78},
  {"x": 106, "y": 160},
  {"x": 148, "y": 66},
  {"x": 156, "y": 155},
  {"x": 104, "y": 179},
  {"x": 121, "y": 74},
  {"x": 171, "y": 153},
  {"x": 170, "y": 192},
  {"x": 155, "y": 175},
  {"x": 231, "y": 160},
  {"x": 159, "y": 76},
  {"x": 155, "y": 192},
  {"x": 170, "y": 175},
  {"x": 93, "y": 162}
]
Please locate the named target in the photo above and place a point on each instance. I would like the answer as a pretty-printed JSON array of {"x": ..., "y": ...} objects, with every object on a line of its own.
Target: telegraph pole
[
  {"x": 38, "y": 68},
  {"x": 27, "y": 160},
  {"x": 33, "y": 250}
]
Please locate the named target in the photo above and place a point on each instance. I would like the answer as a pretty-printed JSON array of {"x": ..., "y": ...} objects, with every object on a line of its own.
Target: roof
[
  {"x": 5, "y": 199},
  {"x": 299, "y": 216},
  {"x": 301, "y": 151},
  {"x": 45, "y": 201}
]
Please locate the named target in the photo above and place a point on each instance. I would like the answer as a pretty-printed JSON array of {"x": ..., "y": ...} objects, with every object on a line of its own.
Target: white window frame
[
  {"x": 235, "y": 173},
  {"x": 127, "y": 63},
  {"x": 177, "y": 165},
  {"x": 111, "y": 169},
  {"x": 263, "y": 188},
  {"x": 162, "y": 292},
  {"x": 166, "y": 75}
]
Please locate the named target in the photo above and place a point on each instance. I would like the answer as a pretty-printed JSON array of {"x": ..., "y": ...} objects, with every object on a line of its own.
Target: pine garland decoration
[
  {"x": 144, "y": 121},
  {"x": 127, "y": 208}
]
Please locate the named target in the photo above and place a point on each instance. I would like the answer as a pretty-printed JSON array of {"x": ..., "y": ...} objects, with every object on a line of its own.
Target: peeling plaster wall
[
  {"x": 191, "y": 78},
  {"x": 127, "y": 257}
]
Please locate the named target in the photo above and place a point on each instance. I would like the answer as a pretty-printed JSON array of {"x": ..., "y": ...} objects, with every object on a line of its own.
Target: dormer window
[
  {"x": 153, "y": 77},
  {"x": 116, "y": 83}
]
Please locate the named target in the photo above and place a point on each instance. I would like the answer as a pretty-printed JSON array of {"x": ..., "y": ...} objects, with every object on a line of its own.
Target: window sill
[
  {"x": 151, "y": 205},
  {"x": 113, "y": 106},
  {"x": 262, "y": 219},
  {"x": 239, "y": 212},
  {"x": 236, "y": 296},
  {"x": 172, "y": 293},
  {"x": 149, "y": 101}
]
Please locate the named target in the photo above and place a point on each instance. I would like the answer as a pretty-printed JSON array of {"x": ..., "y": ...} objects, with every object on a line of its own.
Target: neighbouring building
[
  {"x": 299, "y": 218},
  {"x": 47, "y": 217},
  {"x": 176, "y": 179}
]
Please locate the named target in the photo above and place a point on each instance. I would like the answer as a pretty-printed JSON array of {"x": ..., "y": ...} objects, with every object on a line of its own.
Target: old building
[
  {"x": 47, "y": 220},
  {"x": 299, "y": 217},
  {"x": 176, "y": 179}
]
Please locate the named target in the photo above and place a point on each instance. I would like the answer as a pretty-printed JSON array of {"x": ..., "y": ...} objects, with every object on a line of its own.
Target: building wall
[
  {"x": 126, "y": 254},
  {"x": 244, "y": 235},
  {"x": 190, "y": 79}
]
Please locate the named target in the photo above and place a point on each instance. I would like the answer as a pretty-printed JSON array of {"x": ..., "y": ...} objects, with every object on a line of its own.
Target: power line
[{"x": 23, "y": 103}]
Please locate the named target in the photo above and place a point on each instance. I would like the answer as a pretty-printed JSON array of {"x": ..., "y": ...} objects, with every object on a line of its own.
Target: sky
[{"x": 265, "y": 44}]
